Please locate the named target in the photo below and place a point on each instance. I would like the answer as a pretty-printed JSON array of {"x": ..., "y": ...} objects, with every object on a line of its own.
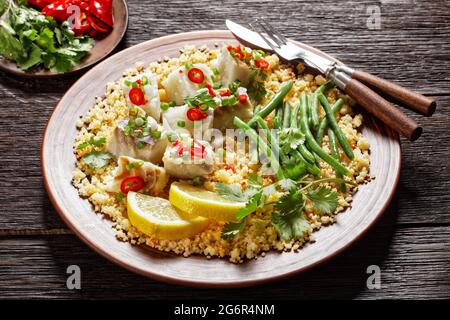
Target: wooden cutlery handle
[
  {"x": 409, "y": 98},
  {"x": 383, "y": 110}
]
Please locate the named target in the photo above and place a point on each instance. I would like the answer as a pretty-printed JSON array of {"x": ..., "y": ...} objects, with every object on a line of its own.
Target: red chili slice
[
  {"x": 137, "y": 96},
  {"x": 211, "y": 91},
  {"x": 195, "y": 114},
  {"x": 133, "y": 183},
  {"x": 262, "y": 64},
  {"x": 225, "y": 92},
  {"x": 230, "y": 167},
  {"x": 84, "y": 26},
  {"x": 243, "y": 98},
  {"x": 196, "y": 75}
]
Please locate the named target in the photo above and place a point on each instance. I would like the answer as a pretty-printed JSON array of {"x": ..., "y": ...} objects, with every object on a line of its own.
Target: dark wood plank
[{"x": 414, "y": 264}]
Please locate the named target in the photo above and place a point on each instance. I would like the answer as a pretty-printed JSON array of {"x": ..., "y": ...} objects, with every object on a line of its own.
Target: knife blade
[{"x": 311, "y": 58}]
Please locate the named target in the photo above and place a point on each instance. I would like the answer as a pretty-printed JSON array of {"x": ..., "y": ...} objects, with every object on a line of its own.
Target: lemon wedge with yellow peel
[
  {"x": 157, "y": 217},
  {"x": 196, "y": 201}
]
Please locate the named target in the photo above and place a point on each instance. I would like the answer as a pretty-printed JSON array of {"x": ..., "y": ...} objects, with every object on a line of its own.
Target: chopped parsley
[{"x": 289, "y": 218}]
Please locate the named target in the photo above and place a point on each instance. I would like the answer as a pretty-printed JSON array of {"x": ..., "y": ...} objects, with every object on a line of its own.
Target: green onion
[
  {"x": 197, "y": 181},
  {"x": 188, "y": 66},
  {"x": 139, "y": 122},
  {"x": 181, "y": 123},
  {"x": 156, "y": 134},
  {"x": 166, "y": 105},
  {"x": 172, "y": 137},
  {"x": 229, "y": 101}
]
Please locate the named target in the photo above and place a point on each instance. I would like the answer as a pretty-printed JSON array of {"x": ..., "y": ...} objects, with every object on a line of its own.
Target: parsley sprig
[
  {"x": 95, "y": 159},
  {"x": 289, "y": 218}
]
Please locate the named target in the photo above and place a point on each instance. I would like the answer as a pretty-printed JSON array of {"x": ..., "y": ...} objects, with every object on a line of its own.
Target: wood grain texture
[
  {"x": 412, "y": 48},
  {"x": 413, "y": 263}
]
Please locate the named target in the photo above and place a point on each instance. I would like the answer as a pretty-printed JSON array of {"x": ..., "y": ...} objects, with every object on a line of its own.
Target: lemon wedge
[
  {"x": 157, "y": 217},
  {"x": 196, "y": 201}
]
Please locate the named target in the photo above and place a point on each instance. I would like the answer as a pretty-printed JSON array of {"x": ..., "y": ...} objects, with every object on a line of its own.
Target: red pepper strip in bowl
[
  {"x": 39, "y": 4},
  {"x": 102, "y": 10},
  {"x": 58, "y": 10},
  {"x": 133, "y": 183},
  {"x": 84, "y": 25},
  {"x": 98, "y": 25}
]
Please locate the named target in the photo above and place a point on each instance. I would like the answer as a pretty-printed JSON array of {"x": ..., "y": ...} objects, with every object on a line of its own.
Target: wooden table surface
[{"x": 410, "y": 244}]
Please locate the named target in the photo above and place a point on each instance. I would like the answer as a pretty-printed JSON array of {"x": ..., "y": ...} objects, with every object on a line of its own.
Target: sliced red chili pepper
[
  {"x": 133, "y": 183},
  {"x": 98, "y": 25},
  {"x": 180, "y": 150},
  {"x": 139, "y": 82},
  {"x": 176, "y": 143},
  {"x": 243, "y": 98},
  {"x": 211, "y": 91},
  {"x": 58, "y": 10},
  {"x": 230, "y": 167},
  {"x": 262, "y": 64},
  {"x": 195, "y": 114},
  {"x": 230, "y": 47},
  {"x": 225, "y": 92},
  {"x": 137, "y": 96},
  {"x": 40, "y": 4},
  {"x": 83, "y": 27},
  {"x": 196, "y": 75},
  {"x": 102, "y": 10}
]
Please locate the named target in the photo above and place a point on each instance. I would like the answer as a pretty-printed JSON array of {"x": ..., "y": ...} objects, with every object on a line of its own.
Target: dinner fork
[{"x": 344, "y": 79}]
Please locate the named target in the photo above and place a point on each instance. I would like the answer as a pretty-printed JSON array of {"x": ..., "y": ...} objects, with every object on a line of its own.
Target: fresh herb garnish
[
  {"x": 97, "y": 159},
  {"x": 135, "y": 164},
  {"x": 256, "y": 89},
  {"x": 253, "y": 196},
  {"x": 289, "y": 218},
  {"x": 93, "y": 141},
  {"x": 325, "y": 200},
  {"x": 201, "y": 98},
  {"x": 31, "y": 39},
  {"x": 120, "y": 196},
  {"x": 198, "y": 181},
  {"x": 232, "y": 229},
  {"x": 233, "y": 86},
  {"x": 290, "y": 139}
]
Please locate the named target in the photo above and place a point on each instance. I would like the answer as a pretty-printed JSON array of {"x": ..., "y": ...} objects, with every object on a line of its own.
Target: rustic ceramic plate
[
  {"x": 102, "y": 48},
  {"x": 58, "y": 163}
]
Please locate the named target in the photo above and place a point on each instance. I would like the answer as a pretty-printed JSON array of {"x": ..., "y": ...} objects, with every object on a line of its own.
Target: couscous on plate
[{"x": 224, "y": 152}]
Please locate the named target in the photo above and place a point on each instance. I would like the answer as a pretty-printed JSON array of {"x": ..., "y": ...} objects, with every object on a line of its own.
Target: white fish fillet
[
  {"x": 154, "y": 176},
  {"x": 152, "y": 105}
]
